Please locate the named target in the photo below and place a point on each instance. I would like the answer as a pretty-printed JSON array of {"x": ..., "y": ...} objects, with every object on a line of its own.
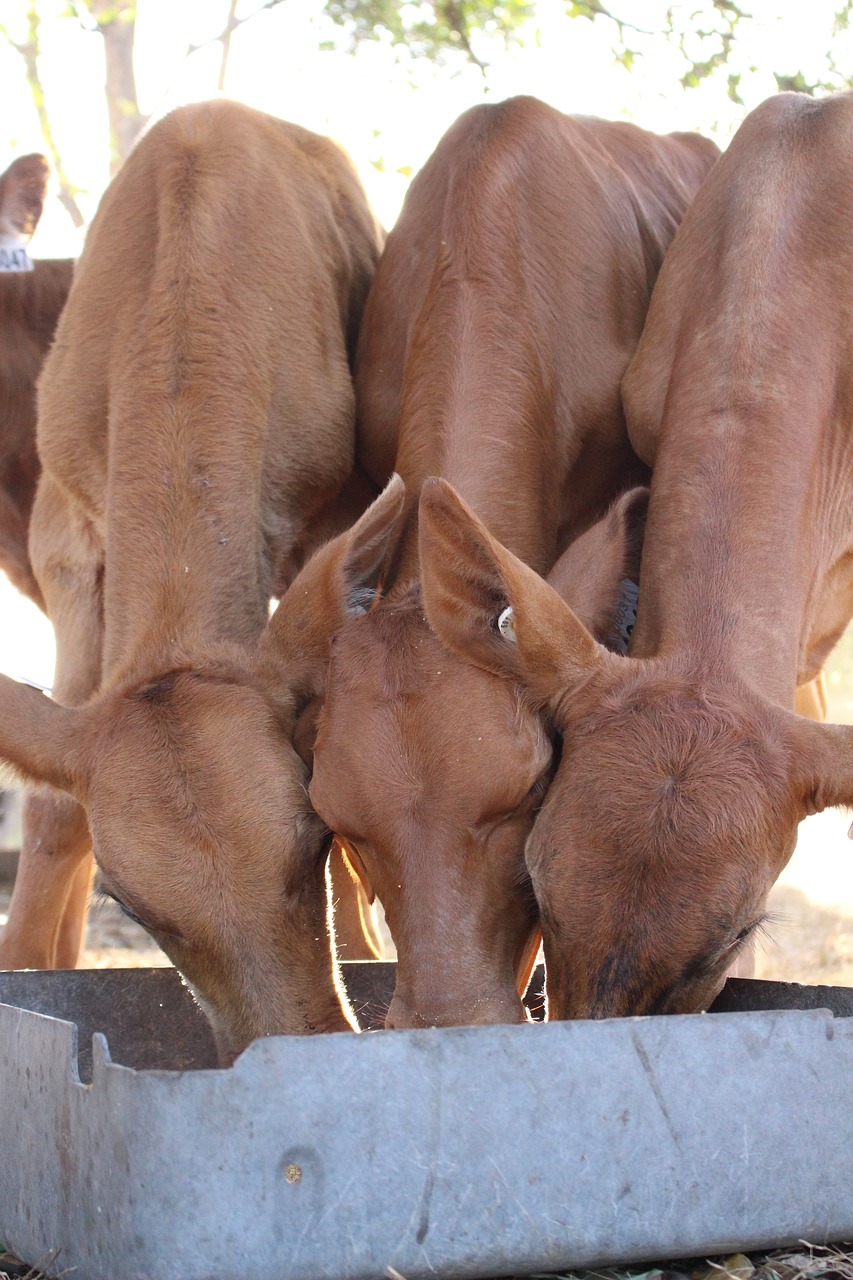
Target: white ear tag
[
  {"x": 13, "y": 254},
  {"x": 850, "y": 832},
  {"x": 506, "y": 624}
]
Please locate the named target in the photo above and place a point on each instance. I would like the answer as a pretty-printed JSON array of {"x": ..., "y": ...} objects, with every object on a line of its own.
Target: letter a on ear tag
[
  {"x": 506, "y": 624},
  {"x": 13, "y": 254}
]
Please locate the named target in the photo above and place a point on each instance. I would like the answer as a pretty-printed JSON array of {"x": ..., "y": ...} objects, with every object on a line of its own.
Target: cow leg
[
  {"x": 55, "y": 850},
  {"x": 47, "y": 912},
  {"x": 356, "y": 937},
  {"x": 72, "y": 926}
]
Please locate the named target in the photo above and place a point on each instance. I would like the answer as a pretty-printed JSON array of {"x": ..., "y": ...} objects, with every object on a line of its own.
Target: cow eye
[{"x": 104, "y": 895}]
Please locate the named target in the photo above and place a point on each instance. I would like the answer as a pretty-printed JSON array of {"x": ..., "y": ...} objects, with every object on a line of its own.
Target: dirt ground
[{"x": 809, "y": 937}]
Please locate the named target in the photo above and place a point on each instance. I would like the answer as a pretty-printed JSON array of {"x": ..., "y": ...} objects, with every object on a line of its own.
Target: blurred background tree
[{"x": 714, "y": 38}]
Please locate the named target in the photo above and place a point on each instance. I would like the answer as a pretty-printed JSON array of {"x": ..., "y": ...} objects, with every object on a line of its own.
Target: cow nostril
[{"x": 398, "y": 1017}]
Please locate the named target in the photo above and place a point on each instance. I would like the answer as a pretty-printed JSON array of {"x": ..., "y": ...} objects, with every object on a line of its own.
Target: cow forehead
[
  {"x": 402, "y": 673},
  {"x": 408, "y": 729},
  {"x": 182, "y": 735},
  {"x": 670, "y": 772}
]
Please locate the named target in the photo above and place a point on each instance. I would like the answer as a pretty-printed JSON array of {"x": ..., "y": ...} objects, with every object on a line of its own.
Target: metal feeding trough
[{"x": 488, "y": 1151}]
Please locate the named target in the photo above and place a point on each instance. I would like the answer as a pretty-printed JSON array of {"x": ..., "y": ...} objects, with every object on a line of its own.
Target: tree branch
[
  {"x": 451, "y": 11},
  {"x": 594, "y": 9},
  {"x": 232, "y": 24},
  {"x": 230, "y": 27},
  {"x": 29, "y": 51}
]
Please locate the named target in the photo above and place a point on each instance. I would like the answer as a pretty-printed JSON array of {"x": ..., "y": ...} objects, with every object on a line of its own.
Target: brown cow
[
  {"x": 685, "y": 771},
  {"x": 32, "y": 295},
  {"x": 195, "y": 427},
  {"x": 507, "y": 304}
]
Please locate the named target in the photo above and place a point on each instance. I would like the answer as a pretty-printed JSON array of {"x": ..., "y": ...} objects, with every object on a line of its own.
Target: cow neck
[
  {"x": 186, "y": 567},
  {"x": 736, "y": 544},
  {"x": 484, "y": 420},
  {"x": 36, "y": 298}
]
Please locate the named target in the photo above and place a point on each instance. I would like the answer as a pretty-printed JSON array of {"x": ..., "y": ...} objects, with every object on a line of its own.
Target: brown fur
[
  {"x": 30, "y": 306},
  {"x": 684, "y": 771},
  {"x": 196, "y": 427},
  {"x": 508, "y": 301}
]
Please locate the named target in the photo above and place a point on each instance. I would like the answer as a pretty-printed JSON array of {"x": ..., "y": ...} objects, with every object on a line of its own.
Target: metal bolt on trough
[{"x": 474, "y": 1151}]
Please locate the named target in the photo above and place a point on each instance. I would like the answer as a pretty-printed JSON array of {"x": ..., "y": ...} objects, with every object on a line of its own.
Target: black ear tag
[{"x": 361, "y": 600}]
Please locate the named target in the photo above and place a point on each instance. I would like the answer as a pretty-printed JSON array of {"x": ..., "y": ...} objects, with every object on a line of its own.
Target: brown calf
[
  {"x": 507, "y": 304},
  {"x": 32, "y": 295},
  {"x": 684, "y": 771},
  {"x": 195, "y": 428}
]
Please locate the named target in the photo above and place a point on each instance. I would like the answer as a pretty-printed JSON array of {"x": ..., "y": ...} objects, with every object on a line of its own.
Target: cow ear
[
  {"x": 482, "y": 601},
  {"x": 40, "y": 740},
  {"x": 821, "y": 762},
  {"x": 23, "y": 188},
  {"x": 340, "y": 580},
  {"x": 598, "y": 575}
]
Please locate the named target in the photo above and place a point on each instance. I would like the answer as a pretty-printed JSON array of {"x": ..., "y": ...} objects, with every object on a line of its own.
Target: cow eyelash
[
  {"x": 538, "y": 790},
  {"x": 103, "y": 895},
  {"x": 754, "y": 930}
]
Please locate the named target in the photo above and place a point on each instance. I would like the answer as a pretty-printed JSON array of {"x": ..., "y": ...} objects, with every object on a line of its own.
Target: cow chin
[
  {"x": 260, "y": 998},
  {"x": 620, "y": 986},
  {"x": 478, "y": 979},
  {"x": 487, "y": 1007},
  {"x": 232, "y": 1035}
]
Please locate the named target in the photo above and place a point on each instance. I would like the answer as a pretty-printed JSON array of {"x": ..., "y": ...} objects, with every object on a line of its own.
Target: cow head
[
  {"x": 677, "y": 796},
  {"x": 198, "y": 808},
  {"x": 432, "y": 770}
]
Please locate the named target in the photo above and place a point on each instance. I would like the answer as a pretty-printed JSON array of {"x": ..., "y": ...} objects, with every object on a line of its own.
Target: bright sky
[{"x": 389, "y": 114}]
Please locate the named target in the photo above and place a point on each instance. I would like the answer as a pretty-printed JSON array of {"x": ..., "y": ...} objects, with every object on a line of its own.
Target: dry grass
[
  {"x": 806, "y": 943},
  {"x": 807, "y": 1262},
  {"x": 12, "y": 1269}
]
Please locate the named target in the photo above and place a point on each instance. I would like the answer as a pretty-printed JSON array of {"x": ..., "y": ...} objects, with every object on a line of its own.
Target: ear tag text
[{"x": 13, "y": 254}]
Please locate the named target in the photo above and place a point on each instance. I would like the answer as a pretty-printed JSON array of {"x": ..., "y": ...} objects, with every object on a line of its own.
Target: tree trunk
[{"x": 116, "y": 21}]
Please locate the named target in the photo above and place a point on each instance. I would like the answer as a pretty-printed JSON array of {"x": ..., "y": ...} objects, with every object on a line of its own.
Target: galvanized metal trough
[{"x": 469, "y": 1152}]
